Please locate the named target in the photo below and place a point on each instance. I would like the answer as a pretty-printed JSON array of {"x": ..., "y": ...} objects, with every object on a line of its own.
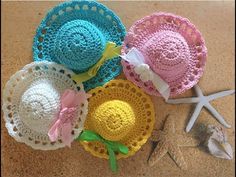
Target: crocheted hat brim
[
  {"x": 142, "y": 107},
  {"x": 141, "y": 32},
  {"x": 23, "y": 80},
  {"x": 110, "y": 26}
]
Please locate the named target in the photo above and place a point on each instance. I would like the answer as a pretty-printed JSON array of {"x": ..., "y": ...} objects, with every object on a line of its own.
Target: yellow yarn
[
  {"x": 113, "y": 119},
  {"x": 119, "y": 111}
]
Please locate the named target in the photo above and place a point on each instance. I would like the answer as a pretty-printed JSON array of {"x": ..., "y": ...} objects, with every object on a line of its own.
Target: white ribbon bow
[{"x": 135, "y": 58}]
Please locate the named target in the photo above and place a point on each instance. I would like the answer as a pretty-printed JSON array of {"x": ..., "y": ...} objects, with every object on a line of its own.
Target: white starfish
[{"x": 203, "y": 101}]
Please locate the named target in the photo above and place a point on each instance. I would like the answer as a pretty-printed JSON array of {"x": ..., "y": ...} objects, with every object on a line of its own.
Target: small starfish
[
  {"x": 169, "y": 141},
  {"x": 203, "y": 101}
]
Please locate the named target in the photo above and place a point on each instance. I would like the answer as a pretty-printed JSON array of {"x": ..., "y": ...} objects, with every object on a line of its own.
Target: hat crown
[
  {"x": 113, "y": 119},
  {"x": 167, "y": 53},
  {"x": 79, "y": 45},
  {"x": 39, "y": 105}
]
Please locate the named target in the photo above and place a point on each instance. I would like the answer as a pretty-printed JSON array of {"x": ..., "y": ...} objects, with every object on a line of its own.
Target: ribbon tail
[
  {"x": 117, "y": 51},
  {"x": 79, "y": 98},
  {"x": 166, "y": 94},
  {"x": 111, "y": 50},
  {"x": 161, "y": 86},
  {"x": 112, "y": 159},
  {"x": 53, "y": 132},
  {"x": 66, "y": 134},
  {"x": 93, "y": 71},
  {"x": 112, "y": 147},
  {"x": 123, "y": 149},
  {"x": 79, "y": 78}
]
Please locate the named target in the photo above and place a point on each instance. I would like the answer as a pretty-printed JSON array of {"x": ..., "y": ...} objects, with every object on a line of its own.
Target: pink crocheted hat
[{"x": 172, "y": 47}]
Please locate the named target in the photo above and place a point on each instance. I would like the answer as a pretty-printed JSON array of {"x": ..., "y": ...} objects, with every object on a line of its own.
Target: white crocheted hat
[{"x": 31, "y": 99}]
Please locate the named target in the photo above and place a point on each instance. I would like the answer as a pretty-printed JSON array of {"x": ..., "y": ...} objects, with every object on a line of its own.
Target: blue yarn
[{"x": 76, "y": 38}]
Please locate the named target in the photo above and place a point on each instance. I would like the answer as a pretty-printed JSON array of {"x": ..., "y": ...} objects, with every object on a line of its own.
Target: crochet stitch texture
[
  {"x": 31, "y": 101},
  {"x": 172, "y": 47},
  {"x": 113, "y": 119},
  {"x": 75, "y": 33},
  {"x": 119, "y": 111}
]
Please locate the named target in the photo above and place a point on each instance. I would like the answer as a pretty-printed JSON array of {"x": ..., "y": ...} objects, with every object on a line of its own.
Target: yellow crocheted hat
[{"x": 119, "y": 111}]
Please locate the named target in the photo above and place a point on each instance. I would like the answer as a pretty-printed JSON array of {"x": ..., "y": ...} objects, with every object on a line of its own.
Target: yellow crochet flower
[{"x": 119, "y": 111}]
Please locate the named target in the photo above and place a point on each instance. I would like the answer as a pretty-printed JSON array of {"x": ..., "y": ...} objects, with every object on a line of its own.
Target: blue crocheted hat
[{"x": 75, "y": 34}]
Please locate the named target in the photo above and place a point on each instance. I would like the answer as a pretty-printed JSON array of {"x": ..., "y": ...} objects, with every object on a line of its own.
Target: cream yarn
[{"x": 31, "y": 101}]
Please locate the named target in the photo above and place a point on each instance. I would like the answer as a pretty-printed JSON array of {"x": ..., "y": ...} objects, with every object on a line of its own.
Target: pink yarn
[{"x": 173, "y": 48}]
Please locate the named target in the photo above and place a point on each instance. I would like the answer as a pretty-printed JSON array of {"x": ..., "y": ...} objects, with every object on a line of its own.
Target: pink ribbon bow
[{"x": 70, "y": 100}]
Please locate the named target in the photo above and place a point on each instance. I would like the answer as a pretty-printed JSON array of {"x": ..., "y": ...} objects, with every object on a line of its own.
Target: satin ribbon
[
  {"x": 62, "y": 125},
  {"x": 135, "y": 58},
  {"x": 111, "y": 146},
  {"x": 111, "y": 51}
]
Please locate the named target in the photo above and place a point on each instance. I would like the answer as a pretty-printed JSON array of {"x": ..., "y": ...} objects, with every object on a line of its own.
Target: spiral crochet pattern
[
  {"x": 41, "y": 102},
  {"x": 75, "y": 34},
  {"x": 78, "y": 39},
  {"x": 113, "y": 119},
  {"x": 119, "y": 111},
  {"x": 172, "y": 47},
  {"x": 31, "y": 102}
]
